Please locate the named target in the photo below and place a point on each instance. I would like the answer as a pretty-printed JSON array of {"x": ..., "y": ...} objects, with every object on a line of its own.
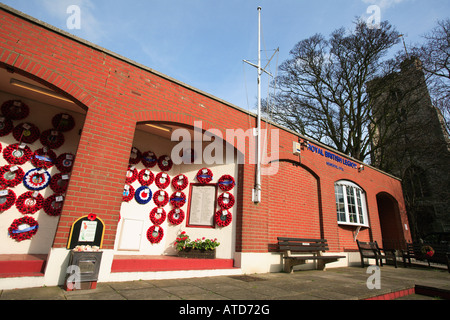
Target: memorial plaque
[
  {"x": 202, "y": 205},
  {"x": 87, "y": 230}
]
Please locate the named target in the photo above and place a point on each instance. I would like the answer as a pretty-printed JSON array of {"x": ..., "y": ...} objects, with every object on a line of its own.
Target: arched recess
[
  {"x": 390, "y": 222},
  {"x": 41, "y": 90},
  {"x": 161, "y": 138},
  {"x": 296, "y": 209}
]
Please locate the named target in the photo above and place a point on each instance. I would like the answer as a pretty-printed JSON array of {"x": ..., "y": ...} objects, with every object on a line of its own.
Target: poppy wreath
[
  {"x": 26, "y": 132},
  {"x": 53, "y": 205},
  {"x": 11, "y": 178},
  {"x": 132, "y": 174},
  {"x": 161, "y": 198},
  {"x": 204, "y": 176},
  {"x": 6, "y": 127},
  {"x": 155, "y": 212},
  {"x": 7, "y": 201},
  {"x": 226, "y": 202},
  {"x": 36, "y": 180},
  {"x": 64, "y": 162},
  {"x": 176, "y": 216},
  {"x": 24, "y": 234},
  {"x": 15, "y": 110},
  {"x": 146, "y": 177},
  {"x": 128, "y": 193},
  {"x": 59, "y": 182},
  {"x": 180, "y": 182},
  {"x": 178, "y": 199},
  {"x": 155, "y": 235},
  {"x": 135, "y": 156},
  {"x": 63, "y": 122},
  {"x": 221, "y": 219},
  {"x": 226, "y": 182},
  {"x": 43, "y": 158},
  {"x": 14, "y": 154},
  {"x": 52, "y": 138},
  {"x": 143, "y": 195},
  {"x": 27, "y": 204},
  {"x": 428, "y": 251},
  {"x": 165, "y": 163},
  {"x": 162, "y": 181},
  {"x": 149, "y": 159}
]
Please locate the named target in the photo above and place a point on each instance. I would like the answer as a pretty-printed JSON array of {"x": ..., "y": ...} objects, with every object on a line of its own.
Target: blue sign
[{"x": 334, "y": 157}]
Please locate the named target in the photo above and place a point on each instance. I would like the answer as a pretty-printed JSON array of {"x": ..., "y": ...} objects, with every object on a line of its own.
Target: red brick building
[{"x": 116, "y": 105}]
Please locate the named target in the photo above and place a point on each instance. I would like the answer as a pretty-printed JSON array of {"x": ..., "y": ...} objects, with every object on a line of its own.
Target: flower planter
[{"x": 197, "y": 254}]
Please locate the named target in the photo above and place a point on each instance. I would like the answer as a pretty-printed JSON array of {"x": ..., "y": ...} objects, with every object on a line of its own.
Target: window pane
[
  {"x": 351, "y": 204},
  {"x": 340, "y": 204},
  {"x": 360, "y": 208}
]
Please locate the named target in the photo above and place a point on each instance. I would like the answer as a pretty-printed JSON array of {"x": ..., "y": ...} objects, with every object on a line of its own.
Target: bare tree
[
  {"x": 321, "y": 89},
  {"x": 435, "y": 57}
]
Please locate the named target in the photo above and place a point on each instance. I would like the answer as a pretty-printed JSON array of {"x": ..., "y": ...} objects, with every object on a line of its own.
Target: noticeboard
[{"x": 87, "y": 230}]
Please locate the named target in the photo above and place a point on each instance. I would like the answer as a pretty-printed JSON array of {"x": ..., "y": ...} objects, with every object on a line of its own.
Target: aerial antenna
[{"x": 404, "y": 44}]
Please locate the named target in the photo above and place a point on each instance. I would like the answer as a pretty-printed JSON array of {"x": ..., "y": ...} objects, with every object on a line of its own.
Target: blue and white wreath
[
  {"x": 36, "y": 179},
  {"x": 143, "y": 195}
]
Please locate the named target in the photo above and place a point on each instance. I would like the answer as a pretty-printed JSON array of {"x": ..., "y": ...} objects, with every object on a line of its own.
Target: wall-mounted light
[
  {"x": 159, "y": 127},
  {"x": 361, "y": 168},
  {"x": 44, "y": 91},
  {"x": 304, "y": 144}
]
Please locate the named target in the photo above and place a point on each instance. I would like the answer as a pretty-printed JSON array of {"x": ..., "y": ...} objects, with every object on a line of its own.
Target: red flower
[{"x": 92, "y": 216}]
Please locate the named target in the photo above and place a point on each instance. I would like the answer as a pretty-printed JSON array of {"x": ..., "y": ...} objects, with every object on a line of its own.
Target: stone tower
[{"x": 412, "y": 143}]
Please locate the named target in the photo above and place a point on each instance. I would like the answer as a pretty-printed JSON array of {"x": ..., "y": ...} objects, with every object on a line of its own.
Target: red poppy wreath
[
  {"x": 30, "y": 202},
  {"x": 226, "y": 182},
  {"x": 226, "y": 200},
  {"x": 63, "y": 122},
  {"x": 178, "y": 199},
  {"x": 17, "y": 153},
  {"x": 204, "y": 176},
  {"x": 176, "y": 216},
  {"x": 64, "y": 162},
  {"x": 7, "y": 199},
  {"x": 15, "y": 110},
  {"x": 223, "y": 218},
  {"x": 161, "y": 198},
  {"x": 52, "y": 138},
  {"x": 155, "y": 234},
  {"x": 23, "y": 228},
  {"x": 132, "y": 174},
  {"x": 180, "y": 182},
  {"x": 6, "y": 126},
  {"x": 149, "y": 159},
  {"x": 158, "y": 212},
  {"x": 59, "y": 182},
  {"x": 11, "y": 176},
  {"x": 162, "y": 180},
  {"x": 135, "y": 156},
  {"x": 53, "y": 205},
  {"x": 128, "y": 193},
  {"x": 165, "y": 163},
  {"x": 26, "y": 133},
  {"x": 146, "y": 177},
  {"x": 43, "y": 158}
]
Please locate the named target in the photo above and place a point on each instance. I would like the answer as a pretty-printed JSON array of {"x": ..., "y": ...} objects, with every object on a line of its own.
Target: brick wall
[{"x": 298, "y": 201}]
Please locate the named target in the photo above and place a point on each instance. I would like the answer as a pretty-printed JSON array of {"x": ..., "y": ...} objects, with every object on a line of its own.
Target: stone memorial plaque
[{"x": 202, "y": 205}]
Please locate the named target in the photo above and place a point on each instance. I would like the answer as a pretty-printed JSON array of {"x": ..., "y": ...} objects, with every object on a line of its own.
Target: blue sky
[{"x": 203, "y": 42}]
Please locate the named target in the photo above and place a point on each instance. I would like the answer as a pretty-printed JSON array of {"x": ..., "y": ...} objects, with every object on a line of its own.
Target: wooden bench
[
  {"x": 417, "y": 251},
  {"x": 309, "y": 249},
  {"x": 371, "y": 250}
]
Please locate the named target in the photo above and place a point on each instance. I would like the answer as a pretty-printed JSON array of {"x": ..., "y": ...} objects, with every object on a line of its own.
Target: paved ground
[{"x": 333, "y": 284}]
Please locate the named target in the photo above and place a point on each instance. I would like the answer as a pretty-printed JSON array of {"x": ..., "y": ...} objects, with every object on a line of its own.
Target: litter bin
[{"x": 83, "y": 270}]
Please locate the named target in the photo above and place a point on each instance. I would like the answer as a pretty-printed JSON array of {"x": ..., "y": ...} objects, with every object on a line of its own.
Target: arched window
[{"x": 351, "y": 204}]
